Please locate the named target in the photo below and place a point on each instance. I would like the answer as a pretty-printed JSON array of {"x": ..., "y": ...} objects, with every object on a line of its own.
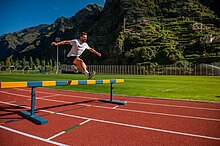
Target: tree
[
  {"x": 16, "y": 64},
  {"x": 31, "y": 63},
  {"x": 142, "y": 54},
  {"x": 43, "y": 63},
  {"x": 37, "y": 62},
  {"x": 1, "y": 63},
  {"x": 8, "y": 63},
  {"x": 23, "y": 63},
  {"x": 169, "y": 55},
  {"x": 51, "y": 63}
]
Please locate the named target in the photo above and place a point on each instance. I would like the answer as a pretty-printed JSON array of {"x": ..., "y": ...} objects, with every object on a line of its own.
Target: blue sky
[{"x": 19, "y": 14}]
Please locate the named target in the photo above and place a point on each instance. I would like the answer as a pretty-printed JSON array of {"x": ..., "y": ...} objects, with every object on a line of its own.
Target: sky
[{"x": 17, "y": 15}]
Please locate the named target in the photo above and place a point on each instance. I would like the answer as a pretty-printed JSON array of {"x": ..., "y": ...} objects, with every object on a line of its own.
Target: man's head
[{"x": 83, "y": 37}]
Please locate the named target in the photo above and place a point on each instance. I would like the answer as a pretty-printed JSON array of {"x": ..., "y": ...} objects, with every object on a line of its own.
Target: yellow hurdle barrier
[{"x": 33, "y": 84}]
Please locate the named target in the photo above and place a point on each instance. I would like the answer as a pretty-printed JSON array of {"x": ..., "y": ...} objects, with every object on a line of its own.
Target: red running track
[{"x": 76, "y": 118}]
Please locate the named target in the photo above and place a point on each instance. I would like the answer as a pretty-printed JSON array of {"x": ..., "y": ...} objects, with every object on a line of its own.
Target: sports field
[{"x": 205, "y": 88}]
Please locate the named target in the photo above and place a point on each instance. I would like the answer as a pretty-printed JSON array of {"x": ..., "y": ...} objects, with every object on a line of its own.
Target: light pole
[{"x": 57, "y": 39}]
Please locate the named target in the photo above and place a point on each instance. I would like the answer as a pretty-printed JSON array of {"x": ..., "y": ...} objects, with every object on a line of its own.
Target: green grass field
[{"x": 205, "y": 88}]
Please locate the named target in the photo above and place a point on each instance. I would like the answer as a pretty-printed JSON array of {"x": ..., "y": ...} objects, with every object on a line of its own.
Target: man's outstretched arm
[
  {"x": 60, "y": 43},
  {"x": 95, "y": 52}
]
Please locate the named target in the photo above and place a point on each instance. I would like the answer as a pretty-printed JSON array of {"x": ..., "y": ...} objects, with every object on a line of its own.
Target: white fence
[{"x": 202, "y": 69}]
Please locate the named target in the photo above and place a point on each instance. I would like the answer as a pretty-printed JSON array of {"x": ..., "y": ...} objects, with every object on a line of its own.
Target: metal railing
[{"x": 197, "y": 70}]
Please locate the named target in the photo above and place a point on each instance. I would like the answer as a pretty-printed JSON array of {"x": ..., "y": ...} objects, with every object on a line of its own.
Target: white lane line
[
  {"x": 8, "y": 103},
  {"x": 142, "y": 103},
  {"x": 32, "y": 136},
  {"x": 80, "y": 124},
  {"x": 128, "y": 110},
  {"x": 85, "y": 97},
  {"x": 138, "y": 111},
  {"x": 172, "y": 115},
  {"x": 28, "y": 96},
  {"x": 48, "y": 96},
  {"x": 52, "y": 137},
  {"x": 176, "y": 106},
  {"x": 115, "y": 107},
  {"x": 129, "y": 125},
  {"x": 141, "y": 127},
  {"x": 85, "y": 122},
  {"x": 14, "y": 94}
]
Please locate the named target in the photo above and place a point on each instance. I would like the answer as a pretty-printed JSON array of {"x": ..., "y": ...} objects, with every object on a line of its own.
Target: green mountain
[{"x": 129, "y": 32}]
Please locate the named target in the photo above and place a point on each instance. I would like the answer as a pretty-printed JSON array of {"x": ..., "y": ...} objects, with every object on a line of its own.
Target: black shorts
[{"x": 71, "y": 59}]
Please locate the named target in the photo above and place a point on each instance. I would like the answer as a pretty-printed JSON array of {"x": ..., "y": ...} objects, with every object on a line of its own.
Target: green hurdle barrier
[{"x": 33, "y": 84}]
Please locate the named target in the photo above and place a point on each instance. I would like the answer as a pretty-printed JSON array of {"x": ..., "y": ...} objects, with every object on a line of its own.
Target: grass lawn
[{"x": 205, "y": 88}]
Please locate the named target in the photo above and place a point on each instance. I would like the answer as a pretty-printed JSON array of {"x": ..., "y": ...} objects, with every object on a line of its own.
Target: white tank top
[{"x": 77, "y": 48}]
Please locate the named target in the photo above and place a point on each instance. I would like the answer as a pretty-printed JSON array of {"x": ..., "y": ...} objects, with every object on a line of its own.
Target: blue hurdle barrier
[{"x": 33, "y": 84}]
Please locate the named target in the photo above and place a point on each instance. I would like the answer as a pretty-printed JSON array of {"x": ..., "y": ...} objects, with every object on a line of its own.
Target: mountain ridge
[{"x": 126, "y": 32}]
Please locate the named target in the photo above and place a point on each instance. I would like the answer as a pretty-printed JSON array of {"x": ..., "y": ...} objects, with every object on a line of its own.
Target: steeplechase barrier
[{"x": 33, "y": 84}]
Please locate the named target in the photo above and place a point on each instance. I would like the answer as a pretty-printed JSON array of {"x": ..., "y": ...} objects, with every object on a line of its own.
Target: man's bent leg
[{"x": 81, "y": 65}]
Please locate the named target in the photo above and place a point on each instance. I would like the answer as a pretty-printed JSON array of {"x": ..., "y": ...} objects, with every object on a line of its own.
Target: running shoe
[{"x": 91, "y": 74}]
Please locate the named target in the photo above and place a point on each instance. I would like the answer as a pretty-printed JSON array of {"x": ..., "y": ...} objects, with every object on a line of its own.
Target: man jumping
[{"x": 78, "y": 47}]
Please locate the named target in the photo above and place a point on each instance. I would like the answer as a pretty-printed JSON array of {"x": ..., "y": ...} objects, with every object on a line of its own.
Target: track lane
[
  {"x": 133, "y": 126},
  {"x": 90, "y": 108}
]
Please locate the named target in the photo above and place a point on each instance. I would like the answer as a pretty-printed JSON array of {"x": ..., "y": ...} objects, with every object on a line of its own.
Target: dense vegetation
[
  {"x": 42, "y": 66},
  {"x": 130, "y": 32}
]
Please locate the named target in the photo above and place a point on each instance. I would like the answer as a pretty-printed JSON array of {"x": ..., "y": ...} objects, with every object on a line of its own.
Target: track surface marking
[{"x": 77, "y": 118}]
